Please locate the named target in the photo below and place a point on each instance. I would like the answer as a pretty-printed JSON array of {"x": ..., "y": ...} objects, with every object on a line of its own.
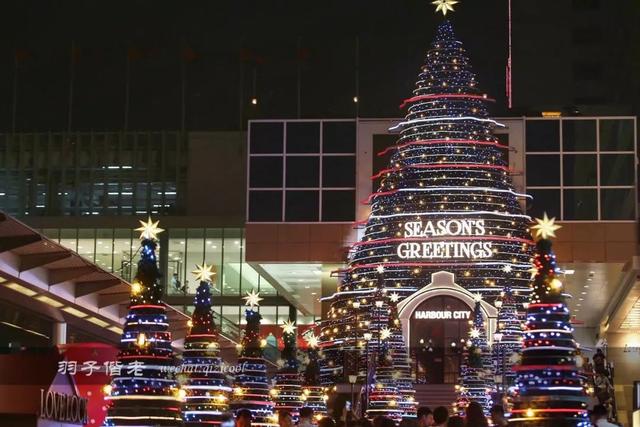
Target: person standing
[
  {"x": 599, "y": 417},
  {"x": 425, "y": 417},
  {"x": 440, "y": 416}
]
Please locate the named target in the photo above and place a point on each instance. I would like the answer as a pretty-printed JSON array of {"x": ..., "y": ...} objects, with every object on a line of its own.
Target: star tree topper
[
  {"x": 546, "y": 227},
  {"x": 203, "y": 272},
  {"x": 288, "y": 327},
  {"x": 444, "y": 6},
  {"x": 252, "y": 299},
  {"x": 149, "y": 230},
  {"x": 312, "y": 340}
]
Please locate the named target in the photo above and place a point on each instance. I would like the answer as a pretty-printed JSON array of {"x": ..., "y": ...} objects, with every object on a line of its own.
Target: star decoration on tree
[
  {"x": 385, "y": 333},
  {"x": 380, "y": 269},
  {"x": 474, "y": 333},
  {"x": 477, "y": 298},
  {"x": 444, "y": 6},
  {"x": 507, "y": 269},
  {"x": 545, "y": 227},
  {"x": 252, "y": 299},
  {"x": 312, "y": 340},
  {"x": 203, "y": 272},
  {"x": 534, "y": 272},
  {"x": 288, "y": 327},
  {"x": 394, "y": 297},
  {"x": 149, "y": 230}
]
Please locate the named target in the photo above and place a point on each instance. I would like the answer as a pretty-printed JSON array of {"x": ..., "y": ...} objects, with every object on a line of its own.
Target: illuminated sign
[
  {"x": 444, "y": 249},
  {"x": 442, "y": 315},
  {"x": 63, "y": 407}
]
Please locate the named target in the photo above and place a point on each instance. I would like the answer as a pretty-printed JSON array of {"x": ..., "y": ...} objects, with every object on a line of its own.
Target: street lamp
[
  {"x": 367, "y": 337},
  {"x": 352, "y": 381}
]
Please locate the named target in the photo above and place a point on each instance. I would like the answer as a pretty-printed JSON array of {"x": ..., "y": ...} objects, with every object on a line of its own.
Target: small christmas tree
[
  {"x": 476, "y": 375},
  {"x": 550, "y": 390},
  {"x": 145, "y": 392},
  {"x": 251, "y": 387},
  {"x": 316, "y": 398},
  {"x": 508, "y": 340},
  {"x": 208, "y": 389},
  {"x": 287, "y": 392}
]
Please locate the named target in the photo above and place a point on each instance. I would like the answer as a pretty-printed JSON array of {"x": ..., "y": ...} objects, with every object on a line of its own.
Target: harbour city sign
[{"x": 440, "y": 249}]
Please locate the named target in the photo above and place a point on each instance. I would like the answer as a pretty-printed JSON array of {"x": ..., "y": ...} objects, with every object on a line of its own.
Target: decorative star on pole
[
  {"x": 394, "y": 297},
  {"x": 252, "y": 299},
  {"x": 545, "y": 227},
  {"x": 444, "y": 6},
  {"x": 312, "y": 340},
  {"x": 477, "y": 298},
  {"x": 203, "y": 272},
  {"x": 385, "y": 333},
  {"x": 474, "y": 333},
  {"x": 149, "y": 230},
  {"x": 288, "y": 327}
]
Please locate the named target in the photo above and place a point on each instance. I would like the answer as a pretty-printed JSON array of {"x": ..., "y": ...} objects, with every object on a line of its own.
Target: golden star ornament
[
  {"x": 149, "y": 229},
  {"x": 444, "y": 6}
]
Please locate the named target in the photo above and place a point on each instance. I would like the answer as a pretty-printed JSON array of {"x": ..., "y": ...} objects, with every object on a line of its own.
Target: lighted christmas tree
[
  {"x": 208, "y": 390},
  {"x": 507, "y": 340},
  {"x": 145, "y": 391},
  {"x": 476, "y": 374},
  {"x": 316, "y": 397},
  {"x": 287, "y": 393},
  {"x": 550, "y": 390},
  {"x": 445, "y": 203},
  {"x": 251, "y": 386}
]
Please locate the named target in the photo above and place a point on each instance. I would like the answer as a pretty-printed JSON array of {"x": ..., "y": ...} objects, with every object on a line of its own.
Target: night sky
[{"x": 218, "y": 46}]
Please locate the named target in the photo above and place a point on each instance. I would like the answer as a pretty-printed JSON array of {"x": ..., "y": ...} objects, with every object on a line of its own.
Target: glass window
[
  {"x": 303, "y": 171},
  {"x": 580, "y": 204},
  {"x": 544, "y": 201},
  {"x": 338, "y": 137},
  {"x": 266, "y": 172},
  {"x": 266, "y": 289},
  {"x": 616, "y": 169},
  {"x": 195, "y": 256},
  {"x": 213, "y": 256},
  {"x": 579, "y": 170},
  {"x": 86, "y": 243},
  {"x": 123, "y": 246},
  {"x": 232, "y": 258},
  {"x": 269, "y": 314},
  {"x": 579, "y": 135},
  {"x": 52, "y": 233},
  {"x": 250, "y": 278},
  {"x": 302, "y": 205},
  {"x": 283, "y": 313},
  {"x": 232, "y": 313},
  {"x": 543, "y": 135},
  {"x": 617, "y": 204},
  {"x": 543, "y": 170},
  {"x": 616, "y": 135},
  {"x": 338, "y": 205},
  {"x": 265, "y": 205},
  {"x": 176, "y": 261},
  {"x": 339, "y": 171},
  {"x": 104, "y": 248},
  {"x": 303, "y": 137},
  {"x": 266, "y": 137}
]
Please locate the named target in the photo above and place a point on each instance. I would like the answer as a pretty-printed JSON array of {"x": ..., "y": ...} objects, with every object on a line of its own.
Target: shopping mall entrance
[{"x": 435, "y": 323}]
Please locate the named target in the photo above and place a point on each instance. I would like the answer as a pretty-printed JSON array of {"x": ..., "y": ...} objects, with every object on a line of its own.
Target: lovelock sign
[
  {"x": 63, "y": 407},
  {"x": 426, "y": 249}
]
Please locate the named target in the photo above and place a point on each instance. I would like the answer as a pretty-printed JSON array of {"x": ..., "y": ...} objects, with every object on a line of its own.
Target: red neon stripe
[
  {"x": 409, "y": 264},
  {"x": 201, "y": 335},
  {"x": 542, "y": 367},
  {"x": 418, "y": 239},
  {"x": 545, "y": 305},
  {"x": 143, "y": 357},
  {"x": 146, "y": 306},
  {"x": 440, "y": 141},
  {"x": 445, "y": 95},
  {"x": 442, "y": 166},
  {"x": 372, "y": 195}
]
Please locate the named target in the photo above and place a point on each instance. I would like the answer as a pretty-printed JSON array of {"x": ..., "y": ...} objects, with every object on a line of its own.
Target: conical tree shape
[
  {"x": 510, "y": 332},
  {"x": 476, "y": 373},
  {"x": 287, "y": 393},
  {"x": 314, "y": 392},
  {"x": 251, "y": 386},
  {"x": 208, "y": 390},
  {"x": 446, "y": 202},
  {"x": 145, "y": 392},
  {"x": 551, "y": 391}
]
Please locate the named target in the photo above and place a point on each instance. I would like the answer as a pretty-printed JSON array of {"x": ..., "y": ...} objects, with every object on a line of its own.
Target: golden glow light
[
  {"x": 530, "y": 413},
  {"x": 136, "y": 288},
  {"x": 107, "y": 389},
  {"x": 141, "y": 341}
]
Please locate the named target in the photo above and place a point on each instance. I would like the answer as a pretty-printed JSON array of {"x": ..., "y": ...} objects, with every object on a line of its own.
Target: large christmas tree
[
  {"x": 316, "y": 397},
  {"x": 507, "y": 340},
  {"x": 145, "y": 392},
  {"x": 208, "y": 389},
  {"x": 476, "y": 374},
  {"x": 287, "y": 393},
  {"x": 446, "y": 202},
  {"x": 550, "y": 390},
  {"x": 251, "y": 387}
]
